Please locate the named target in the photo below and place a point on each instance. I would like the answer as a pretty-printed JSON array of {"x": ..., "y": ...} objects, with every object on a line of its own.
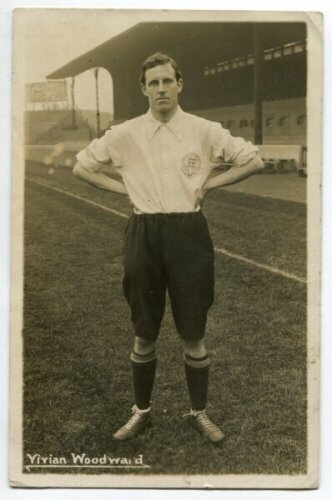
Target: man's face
[{"x": 162, "y": 88}]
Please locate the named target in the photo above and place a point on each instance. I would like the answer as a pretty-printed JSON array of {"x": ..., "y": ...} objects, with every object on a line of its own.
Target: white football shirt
[{"x": 163, "y": 165}]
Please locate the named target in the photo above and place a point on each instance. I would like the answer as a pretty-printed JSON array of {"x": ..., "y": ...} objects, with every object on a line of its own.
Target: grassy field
[{"x": 77, "y": 337}]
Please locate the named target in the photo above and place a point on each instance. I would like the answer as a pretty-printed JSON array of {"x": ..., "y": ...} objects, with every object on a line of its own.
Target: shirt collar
[{"x": 174, "y": 125}]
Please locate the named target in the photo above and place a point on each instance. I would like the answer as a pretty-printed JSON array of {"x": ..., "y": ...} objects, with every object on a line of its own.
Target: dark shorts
[{"x": 171, "y": 252}]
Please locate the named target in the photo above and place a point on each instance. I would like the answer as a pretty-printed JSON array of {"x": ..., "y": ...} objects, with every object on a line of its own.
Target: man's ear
[
  {"x": 143, "y": 89},
  {"x": 180, "y": 85}
]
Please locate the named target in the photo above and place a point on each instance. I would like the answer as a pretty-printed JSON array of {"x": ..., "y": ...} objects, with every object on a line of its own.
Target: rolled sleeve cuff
[
  {"x": 239, "y": 151},
  {"x": 90, "y": 164},
  {"x": 101, "y": 152},
  {"x": 230, "y": 149}
]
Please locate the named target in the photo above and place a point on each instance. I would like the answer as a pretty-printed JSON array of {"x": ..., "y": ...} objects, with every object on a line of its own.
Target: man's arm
[
  {"x": 99, "y": 180},
  {"x": 232, "y": 176},
  {"x": 235, "y": 174}
]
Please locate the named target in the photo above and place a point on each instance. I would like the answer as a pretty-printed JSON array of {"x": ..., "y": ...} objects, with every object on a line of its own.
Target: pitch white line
[
  {"x": 271, "y": 269},
  {"x": 93, "y": 203},
  {"x": 223, "y": 251}
]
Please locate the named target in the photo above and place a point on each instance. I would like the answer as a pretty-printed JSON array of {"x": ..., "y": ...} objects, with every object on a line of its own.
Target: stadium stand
[{"x": 53, "y": 126}]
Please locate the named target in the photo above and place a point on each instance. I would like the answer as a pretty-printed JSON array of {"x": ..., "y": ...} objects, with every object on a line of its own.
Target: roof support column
[
  {"x": 73, "y": 110},
  {"x": 96, "y": 72},
  {"x": 258, "y": 85}
]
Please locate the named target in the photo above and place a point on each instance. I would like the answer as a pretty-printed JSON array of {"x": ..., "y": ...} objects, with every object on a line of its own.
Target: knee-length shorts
[{"x": 171, "y": 252}]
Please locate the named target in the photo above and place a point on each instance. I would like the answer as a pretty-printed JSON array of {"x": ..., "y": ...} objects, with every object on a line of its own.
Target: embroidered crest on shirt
[{"x": 191, "y": 164}]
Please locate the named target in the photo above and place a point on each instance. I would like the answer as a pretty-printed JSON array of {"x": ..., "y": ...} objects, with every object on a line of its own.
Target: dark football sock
[
  {"x": 197, "y": 375},
  {"x": 143, "y": 370}
]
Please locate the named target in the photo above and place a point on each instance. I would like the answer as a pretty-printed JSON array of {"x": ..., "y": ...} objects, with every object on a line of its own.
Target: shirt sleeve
[
  {"x": 101, "y": 152},
  {"x": 230, "y": 149}
]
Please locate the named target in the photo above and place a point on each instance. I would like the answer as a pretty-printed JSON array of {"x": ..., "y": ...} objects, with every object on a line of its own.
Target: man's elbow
[
  {"x": 77, "y": 170},
  {"x": 258, "y": 164}
]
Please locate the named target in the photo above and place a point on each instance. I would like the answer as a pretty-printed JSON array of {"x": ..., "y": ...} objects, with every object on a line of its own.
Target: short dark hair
[{"x": 158, "y": 59}]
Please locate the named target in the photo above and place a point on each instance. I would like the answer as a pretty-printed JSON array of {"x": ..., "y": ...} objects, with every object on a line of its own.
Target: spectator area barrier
[
  {"x": 277, "y": 158},
  {"x": 282, "y": 158}
]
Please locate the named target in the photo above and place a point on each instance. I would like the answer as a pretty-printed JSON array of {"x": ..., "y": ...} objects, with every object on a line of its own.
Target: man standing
[{"x": 166, "y": 158}]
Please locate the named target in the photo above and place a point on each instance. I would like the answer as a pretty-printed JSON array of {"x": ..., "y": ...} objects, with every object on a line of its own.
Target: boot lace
[
  {"x": 201, "y": 417},
  {"x": 135, "y": 419}
]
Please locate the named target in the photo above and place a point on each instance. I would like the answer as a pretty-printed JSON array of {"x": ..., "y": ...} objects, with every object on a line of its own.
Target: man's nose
[{"x": 161, "y": 87}]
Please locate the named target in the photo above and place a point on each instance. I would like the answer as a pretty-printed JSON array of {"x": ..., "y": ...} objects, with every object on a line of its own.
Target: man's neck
[{"x": 164, "y": 117}]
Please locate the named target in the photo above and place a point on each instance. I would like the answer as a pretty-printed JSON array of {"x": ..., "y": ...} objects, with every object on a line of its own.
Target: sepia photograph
[{"x": 165, "y": 266}]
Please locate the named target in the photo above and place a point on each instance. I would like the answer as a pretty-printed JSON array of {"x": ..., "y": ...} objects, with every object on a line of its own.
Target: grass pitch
[{"x": 77, "y": 338}]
